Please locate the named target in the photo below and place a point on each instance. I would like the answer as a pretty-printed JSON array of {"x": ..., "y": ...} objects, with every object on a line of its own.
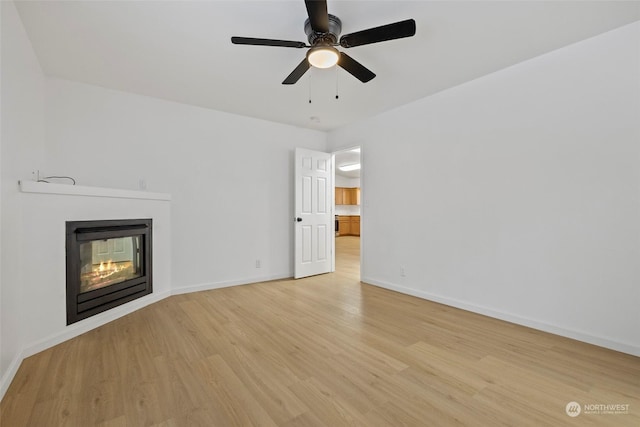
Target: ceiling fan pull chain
[
  {"x": 337, "y": 75},
  {"x": 309, "y": 80}
]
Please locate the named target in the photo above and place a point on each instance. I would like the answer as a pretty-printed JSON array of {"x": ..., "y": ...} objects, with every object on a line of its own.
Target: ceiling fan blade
[
  {"x": 297, "y": 73},
  {"x": 397, "y": 30},
  {"x": 318, "y": 15},
  {"x": 266, "y": 42},
  {"x": 355, "y": 68}
]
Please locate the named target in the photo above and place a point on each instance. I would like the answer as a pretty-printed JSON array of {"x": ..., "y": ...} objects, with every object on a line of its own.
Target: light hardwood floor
[{"x": 323, "y": 351}]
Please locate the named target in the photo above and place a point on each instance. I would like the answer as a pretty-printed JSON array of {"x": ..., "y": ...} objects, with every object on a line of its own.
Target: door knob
[{"x": 298, "y": 219}]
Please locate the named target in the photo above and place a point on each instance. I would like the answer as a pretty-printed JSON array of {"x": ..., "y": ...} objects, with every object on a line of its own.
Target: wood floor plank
[
  {"x": 321, "y": 351},
  {"x": 326, "y": 406},
  {"x": 231, "y": 396}
]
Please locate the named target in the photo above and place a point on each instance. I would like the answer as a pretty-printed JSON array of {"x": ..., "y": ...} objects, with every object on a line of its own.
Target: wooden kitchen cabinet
[
  {"x": 355, "y": 196},
  {"x": 355, "y": 226},
  {"x": 343, "y": 196},
  {"x": 351, "y": 196},
  {"x": 347, "y": 196},
  {"x": 348, "y": 225},
  {"x": 344, "y": 225}
]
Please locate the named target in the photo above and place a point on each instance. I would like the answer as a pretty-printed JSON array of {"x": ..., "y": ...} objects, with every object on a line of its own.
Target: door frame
[{"x": 362, "y": 202}]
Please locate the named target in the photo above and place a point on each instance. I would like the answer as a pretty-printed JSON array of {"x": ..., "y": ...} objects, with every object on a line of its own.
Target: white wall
[
  {"x": 347, "y": 209},
  {"x": 523, "y": 190},
  {"x": 230, "y": 177},
  {"x": 22, "y": 132},
  {"x": 343, "y": 181}
]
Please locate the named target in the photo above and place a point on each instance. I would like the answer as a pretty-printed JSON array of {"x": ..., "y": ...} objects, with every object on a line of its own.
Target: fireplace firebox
[{"x": 108, "y": 264}]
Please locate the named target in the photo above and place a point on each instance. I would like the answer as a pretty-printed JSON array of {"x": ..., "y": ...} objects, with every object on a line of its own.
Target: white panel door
[{"x": 314, "y": 221}]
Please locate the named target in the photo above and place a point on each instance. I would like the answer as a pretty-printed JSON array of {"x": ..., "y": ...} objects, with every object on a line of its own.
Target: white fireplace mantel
[{"x": 79, "y": 190}]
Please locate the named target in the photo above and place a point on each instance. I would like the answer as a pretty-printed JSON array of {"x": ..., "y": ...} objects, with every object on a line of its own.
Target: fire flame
[{"x": 108, "y": 269}]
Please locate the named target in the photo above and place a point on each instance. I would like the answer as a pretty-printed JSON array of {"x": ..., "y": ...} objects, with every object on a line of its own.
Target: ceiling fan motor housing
[{"x": 328, "y": 38}]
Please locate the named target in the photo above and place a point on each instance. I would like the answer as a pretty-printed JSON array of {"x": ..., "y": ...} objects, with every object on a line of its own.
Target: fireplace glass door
[
  {"x": 108, "y": 264},
  {"x": 109, "y": 261}
]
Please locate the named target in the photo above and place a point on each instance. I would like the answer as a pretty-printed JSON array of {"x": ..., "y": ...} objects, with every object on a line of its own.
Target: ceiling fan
[{"x": 322, "y": 30}]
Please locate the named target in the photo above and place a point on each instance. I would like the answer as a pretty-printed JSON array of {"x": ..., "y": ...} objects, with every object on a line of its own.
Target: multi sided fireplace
[{"x": 108, "y": 264}]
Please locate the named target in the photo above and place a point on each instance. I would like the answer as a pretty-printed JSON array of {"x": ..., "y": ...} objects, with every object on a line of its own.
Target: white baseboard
[
  {"x": 510, "y": 317},
  {"x": 6, "y": 379},
  {"x": 228, "y": 283}
]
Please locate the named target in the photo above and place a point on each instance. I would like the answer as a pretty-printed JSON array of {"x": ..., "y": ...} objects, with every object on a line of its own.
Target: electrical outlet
[
  {"x": 258, "y": 263},
  {"x": 403, "y": 273},
  {"x": 142, "y": 184}
]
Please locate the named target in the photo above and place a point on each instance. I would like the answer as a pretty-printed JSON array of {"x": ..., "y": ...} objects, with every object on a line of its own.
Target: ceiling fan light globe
[{"x": 323, "y": 57}]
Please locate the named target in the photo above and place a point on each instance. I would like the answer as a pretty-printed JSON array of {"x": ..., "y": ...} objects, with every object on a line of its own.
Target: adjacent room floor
[{"x": 322, "y": 351}]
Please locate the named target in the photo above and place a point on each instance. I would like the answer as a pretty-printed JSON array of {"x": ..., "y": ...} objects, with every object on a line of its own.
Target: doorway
[{"x": 348, "y": 210}]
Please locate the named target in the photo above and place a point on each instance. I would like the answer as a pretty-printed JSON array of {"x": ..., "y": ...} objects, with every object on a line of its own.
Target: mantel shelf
[{"x": 78, "y": 190}]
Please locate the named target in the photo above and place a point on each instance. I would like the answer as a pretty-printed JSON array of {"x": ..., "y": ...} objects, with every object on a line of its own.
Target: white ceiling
[
  {"x": 347, "y": 157},
  {"x": 181, "y": 50}
]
